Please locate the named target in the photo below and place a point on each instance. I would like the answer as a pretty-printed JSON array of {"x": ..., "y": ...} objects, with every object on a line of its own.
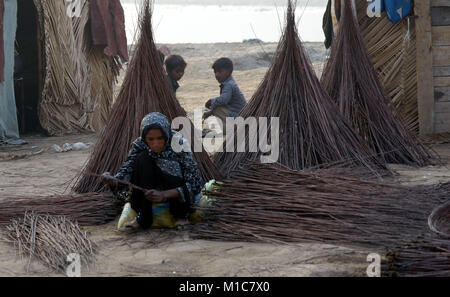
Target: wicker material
[
  {"x": 439, "y": 220},
  {"x": 78, "y": 78},
  {"x": 394, "y": 57}
]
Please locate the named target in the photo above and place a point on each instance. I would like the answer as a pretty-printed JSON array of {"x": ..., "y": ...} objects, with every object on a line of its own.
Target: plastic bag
[
  {"x": 128, "y": 215},
  {"x": 203, "y": 201},
  {"x": 162, "y": 218},
  {"x": 397, "y": 9},
  {"x": 198, "y": 215}
]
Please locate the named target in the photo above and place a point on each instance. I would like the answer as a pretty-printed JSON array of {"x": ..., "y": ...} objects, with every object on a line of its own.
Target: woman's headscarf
[
  {"x": 178, "y": 164},
  {"x": 156, "y": 120}
]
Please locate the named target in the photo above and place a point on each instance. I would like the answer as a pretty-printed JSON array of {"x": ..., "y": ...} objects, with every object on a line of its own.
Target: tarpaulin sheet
[
  {"x": 108, "y": 27},
  {"x": 8, "y": 117},
  {"x": 397, "y": 9}
]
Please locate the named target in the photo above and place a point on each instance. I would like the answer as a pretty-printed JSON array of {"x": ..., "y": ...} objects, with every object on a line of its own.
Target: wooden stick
[{"x": 119, "y": 181}]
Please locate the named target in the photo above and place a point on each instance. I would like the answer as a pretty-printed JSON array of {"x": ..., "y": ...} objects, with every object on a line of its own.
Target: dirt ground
[{"x": 36, "y": 169}]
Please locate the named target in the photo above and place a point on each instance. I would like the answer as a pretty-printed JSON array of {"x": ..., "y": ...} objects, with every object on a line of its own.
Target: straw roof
[
  {"x": 78, "y": 79},
  {"x": 393, "y": 53}
]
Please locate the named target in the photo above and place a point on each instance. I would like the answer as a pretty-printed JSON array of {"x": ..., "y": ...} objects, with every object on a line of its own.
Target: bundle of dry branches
[
  {"x": 427, "y": 255},
  {"x": 312, "y": 131},
  {"x": 87, "y": 209},
  {"x": 392, "y": 49},
  {"x": 351, "y": 81},
  {"x": 145, "y": 89},
  {"x": 269, "y": 203},
  {"x": 50, "y": 239},
  {"x": 423, "y": 257}
]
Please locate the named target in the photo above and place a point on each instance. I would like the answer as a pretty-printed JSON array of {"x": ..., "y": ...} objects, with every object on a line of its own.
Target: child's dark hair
[
  {"x": 161, "y": 56},
  {"x": 174, "y": 61},
  {"x": 223, "y": 63}
]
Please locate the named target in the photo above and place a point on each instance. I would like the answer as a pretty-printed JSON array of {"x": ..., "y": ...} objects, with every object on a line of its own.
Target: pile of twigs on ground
[
  {"x": 425, "y": 256},
  {"x": 351, "y": 81},
  {"x": 87, "y": 209},
  {"x": 50, "y": 239},
  {"x": 145, "y": 89},
  {"x": 428, "y": 256},
  {"x": 312, "y": 131},
  {"x": 269, "y": 203}
]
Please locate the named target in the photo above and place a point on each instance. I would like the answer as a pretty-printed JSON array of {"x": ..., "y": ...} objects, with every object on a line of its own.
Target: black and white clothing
[{"x": 162, "y": 171}]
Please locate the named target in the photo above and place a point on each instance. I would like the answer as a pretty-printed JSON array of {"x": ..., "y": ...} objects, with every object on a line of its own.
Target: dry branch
[
  {"x": 50, "y": 239},
  {"x": 270, "y": 203}
]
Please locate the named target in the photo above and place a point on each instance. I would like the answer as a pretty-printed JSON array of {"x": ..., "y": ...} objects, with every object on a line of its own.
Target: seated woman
[{"x": 152, "y": 164}]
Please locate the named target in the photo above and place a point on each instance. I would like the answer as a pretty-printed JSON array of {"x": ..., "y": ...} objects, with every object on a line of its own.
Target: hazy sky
[
  {"x": 209, "y": 21},
  {"x": 300, "y": 3}
]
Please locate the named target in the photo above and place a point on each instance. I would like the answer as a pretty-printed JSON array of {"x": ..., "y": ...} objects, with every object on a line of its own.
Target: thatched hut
[
  {"x": 413, "y": 60},
  {"x": 67, "y": 58},
  {"x": 412, "y": 57}
]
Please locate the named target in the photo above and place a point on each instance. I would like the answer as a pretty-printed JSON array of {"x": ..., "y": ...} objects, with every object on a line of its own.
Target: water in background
[{"x": 226, "y": 23}]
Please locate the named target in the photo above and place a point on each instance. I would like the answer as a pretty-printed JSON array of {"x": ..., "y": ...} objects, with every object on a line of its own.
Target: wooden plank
[
  {"x": 441, "y": 56},
  {"x": 425, "y": 89},
  {"x": 442, "y": 94},
  {"x": 442, "y": 107},
  {"x": 442, "y": 128},
  {"x": 441, "y": 71},
  {"x": 441, "y": 35},
  {"x": 440, "y": 16},
  {"x": 436, "y": 3},
  {"x": 442, "y": 81},
  {"x": 442, "y": 119}
]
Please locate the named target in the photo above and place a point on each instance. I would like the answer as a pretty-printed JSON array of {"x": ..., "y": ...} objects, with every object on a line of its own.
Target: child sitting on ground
[
  {"x": 231, "y": 100},
  {"x": 175, "y": 67}
]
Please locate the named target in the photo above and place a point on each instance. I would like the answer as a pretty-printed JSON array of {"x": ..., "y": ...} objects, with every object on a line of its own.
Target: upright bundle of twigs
[
  {"x": 50, "y": 239},
  {"x": 87, "y": 209},
  {"x": 351, "y": 81},
  {"x": 145, "y": 89},
  {"x": 270, "y": 203},
  {"x": 312, "y": 131}
]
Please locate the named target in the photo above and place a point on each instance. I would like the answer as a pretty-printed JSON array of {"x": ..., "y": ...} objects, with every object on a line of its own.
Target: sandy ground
[
  {"x": 35, "y": 169},
  {"x": 250, "y": 62}
]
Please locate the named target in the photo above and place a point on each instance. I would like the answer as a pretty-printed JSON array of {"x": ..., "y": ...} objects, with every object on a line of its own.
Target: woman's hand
[
  {"x": 161, "y": 196},
  {"x": 156, "y": 196},
  {"x": 107, "y": 179}
]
